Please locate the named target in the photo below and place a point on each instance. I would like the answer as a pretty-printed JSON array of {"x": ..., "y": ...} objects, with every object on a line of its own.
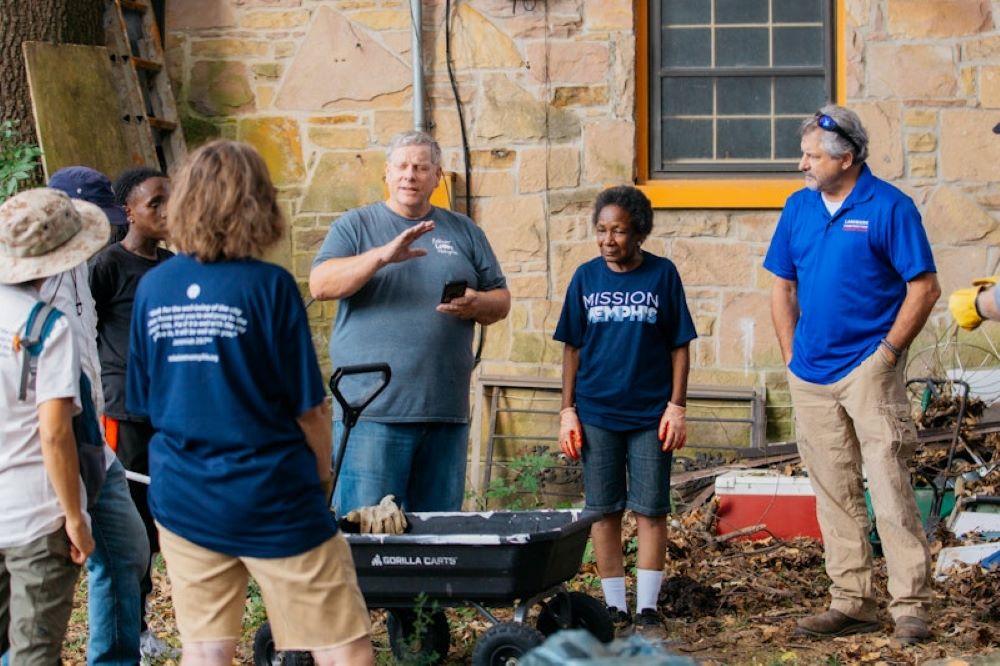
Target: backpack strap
[{"x": 41, "y": 319}]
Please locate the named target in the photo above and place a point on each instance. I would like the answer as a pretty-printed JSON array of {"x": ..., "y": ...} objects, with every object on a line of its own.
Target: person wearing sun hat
[{"x": 44, "y": 527}]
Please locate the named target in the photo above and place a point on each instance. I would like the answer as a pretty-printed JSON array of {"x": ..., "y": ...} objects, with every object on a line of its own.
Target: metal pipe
[{"x": 417, "y": 54}]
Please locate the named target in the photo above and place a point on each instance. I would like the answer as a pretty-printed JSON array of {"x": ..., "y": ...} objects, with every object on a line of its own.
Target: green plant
[
  {"x": 521, "y": 488},
  {"x": 423, "y": 618},
  {"x": 18, "y": 160}
]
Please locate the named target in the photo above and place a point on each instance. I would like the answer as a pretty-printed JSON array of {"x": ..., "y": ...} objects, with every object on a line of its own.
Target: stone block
[
  {"x": 882, "y": 120},
  {"x": 345, "y": 180},
  {"x": 542, "y": 169},
  {"x": 969, "y": 149},
  {"x": 220, "y": 88},
  {"x": 510, "y": 112},
  {"x": 476, "y": 43},
  {"x": 919, "y": 118},
  {"x": 689, "y": 223},
  {"x": 198, "y": 131},
  {"x": 199, "y": 14},
  {"x": 923, "y": 166},
  {"x": 266, "y": 70},
  {"x": 490, "y": 184},
  {"x": 989, "y": 87},
  {"x": 445, "y": 127},
  {"x": 580, "y": 96},
  {"x": 954, "y": 218},
  {"x": 339, "y": 137},
  {"x": 383, "y": 19},
  {"x": 498, "y": 158},
  {"x": 921, "y": 142},
  {"x": 308, "y": 241},
  {"x": 623, "y": 76},
  {"x": 515, "y": 227},
  {"x": 528, "y": 286},
  {"x": 911, "y": 71},
  {"x": 228, "y": 48},
  {"x": 720, "y": 377},
  {"x": 569, "y": 61},
  {"x": 754, "y": 227},
  {"x": 609, "y": 151},
  {"x": 534, "y": 347},
  {"x": 339, "y": 119},
  {"x": 566, "y": 257},
  {"x": 520, "y": 314},
  {"x": 746, "y": 334},
  {"x": 284, "y": 49},
  {"x": 607, "y": 14},
  {"x": 265, "y": 95},
  {"x": 984, "y": 48},
  {"x": 703, "y": 353},
  {"x": 712, "y": 262},
  {"x": 277, "y": 141},
  {"x": 704, "y": 325},
  {"x": 918, "y": 19},
  {"x": 272, "y": 20},
  {"x": 958, "y": 266},
  {"x": 390, "y": 122},
  {"x": 576, "y": 201}
]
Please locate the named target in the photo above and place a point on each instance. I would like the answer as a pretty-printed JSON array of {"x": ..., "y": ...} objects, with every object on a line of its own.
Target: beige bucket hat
[{"x": 43, "y": 232}]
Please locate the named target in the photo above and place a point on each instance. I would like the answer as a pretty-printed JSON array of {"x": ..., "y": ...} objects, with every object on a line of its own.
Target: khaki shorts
[{"x": 313, "y": 601}]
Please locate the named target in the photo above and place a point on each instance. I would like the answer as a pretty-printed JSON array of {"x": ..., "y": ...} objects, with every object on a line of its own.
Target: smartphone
[{"x": 453, "y": 289}]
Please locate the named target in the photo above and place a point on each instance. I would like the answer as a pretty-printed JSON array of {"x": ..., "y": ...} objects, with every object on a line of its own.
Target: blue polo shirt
[{"x": 851, "y": 271}]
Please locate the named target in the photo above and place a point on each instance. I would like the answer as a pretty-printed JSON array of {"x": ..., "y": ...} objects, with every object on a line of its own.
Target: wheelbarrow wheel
[
  {"x": 505, "y": 643},
  {"x": 264, "y": 653},
  {"x": 407, "y": 645},
  {"x": 576, "y": 610}
]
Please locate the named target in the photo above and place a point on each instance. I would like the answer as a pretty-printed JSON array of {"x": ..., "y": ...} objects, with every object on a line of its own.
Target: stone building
[{"x": 560, "y": 99}]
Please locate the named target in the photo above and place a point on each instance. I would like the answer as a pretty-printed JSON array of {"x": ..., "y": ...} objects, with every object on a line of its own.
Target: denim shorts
[{"x": 625, "y": 470}]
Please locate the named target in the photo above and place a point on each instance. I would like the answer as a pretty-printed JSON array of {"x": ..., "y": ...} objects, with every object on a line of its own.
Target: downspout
[{"x": 417, "y": 54}]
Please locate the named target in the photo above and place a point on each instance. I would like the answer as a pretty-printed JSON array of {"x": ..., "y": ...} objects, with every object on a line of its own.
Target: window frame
[{"x": 764, "y": 190}]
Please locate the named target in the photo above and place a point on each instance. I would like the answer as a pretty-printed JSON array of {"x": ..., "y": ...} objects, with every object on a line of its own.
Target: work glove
[
  {"x": 673, "y": 427},
  {"x": 384, "y": 518},
  {"x": 570, "y": 433},
  {"x": 962, "y": 303}
]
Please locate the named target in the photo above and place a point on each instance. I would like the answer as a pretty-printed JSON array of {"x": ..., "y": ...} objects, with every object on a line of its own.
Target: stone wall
[{"x": 548, "y": 90}]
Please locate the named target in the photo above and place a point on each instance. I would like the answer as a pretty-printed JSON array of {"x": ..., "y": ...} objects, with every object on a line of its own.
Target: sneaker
[
  {"x": 831, "y": 624},
  {"x": 153, "y": 649},
  {"x": 649, "y": 625},
  {"x": 622, "y": 621},
  {"x": 911, "y": 630}
]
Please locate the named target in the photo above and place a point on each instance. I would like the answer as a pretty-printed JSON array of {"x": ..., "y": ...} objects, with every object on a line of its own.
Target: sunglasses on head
[{"x": 830, "y": 125}]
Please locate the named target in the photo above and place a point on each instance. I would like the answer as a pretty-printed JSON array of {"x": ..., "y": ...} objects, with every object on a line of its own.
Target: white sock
[
  {"x": 614, "y": 593},
  {"x": 647, "y": 588}
]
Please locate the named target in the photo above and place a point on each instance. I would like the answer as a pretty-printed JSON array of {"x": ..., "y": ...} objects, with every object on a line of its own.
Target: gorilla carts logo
[{"x": 410, "y": 561}]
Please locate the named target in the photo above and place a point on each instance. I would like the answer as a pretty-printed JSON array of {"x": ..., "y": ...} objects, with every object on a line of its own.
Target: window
[{"x": 723, "y": 88}]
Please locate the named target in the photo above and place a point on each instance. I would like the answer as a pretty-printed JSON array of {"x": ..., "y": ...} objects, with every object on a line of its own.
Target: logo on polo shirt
[
  {"x": 860, "y": 226},
  {"x": 444, "y": 246}
]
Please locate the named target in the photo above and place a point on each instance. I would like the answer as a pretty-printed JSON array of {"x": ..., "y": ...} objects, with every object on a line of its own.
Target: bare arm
[
  {"x": 344, "y": 276},
  {"x": 316, "y": 426},
  {"x": 570, "y": 366},
  {"x": 922, "y": 293},
  {"x": 680, "y": 358},
  {"x": 55, "y": 427},
  {"x": 484, "y": 307},
  {"x": 785, "y": 314}
]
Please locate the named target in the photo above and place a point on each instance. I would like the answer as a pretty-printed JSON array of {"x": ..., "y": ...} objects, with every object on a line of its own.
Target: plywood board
[{"x": 76, "y": 108}]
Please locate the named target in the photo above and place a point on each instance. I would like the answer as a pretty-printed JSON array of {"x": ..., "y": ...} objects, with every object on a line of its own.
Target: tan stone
[
  {"x": 270, "y": 20},
  {"x": 569, "y": 61},
  {"x": 911, "y": 71},
  {"x": 284, "y": 49},
  {"x": 882, "y": 121},
  {"x": 219, "y": 88},
  {"x": 534, "y": 347},
  {"x": 967, "y": 82},
  {"x": 915, "y": 19},
  {"x": 712, "y": 262},
  {"x": 388, "y": 123},
  {"x": 918, "y": 118},
  {"x": 339, "y": 137},
  {"x": 542, "y": 169},
  {"x": 958, "y": 266},
  {"x": 989, "y": 87},
  {"x": 325, "y": 69},
  {"x": 623, "y": 77},
  {"x": 704, "y": 325},
  {"x": 265, "y": 95},
  {"x": 277, "y": 140},
  {"x": 754, "y": 227},
  {"x": 559, "y": 26},
  {"x": 985, "y": 48},
  {"x": 608, "y": 151},
  {"x": 921, "y": 141},
  {"x": 514, "y": 225},
  {"x": 969, "y": 149},
  {"x": 703, "y": 353},
  {"x": 858, "y": 12},
  {"x": 476, "y": 43},
  {"x": 923, "y": 166},
  {"x": 608, "y": 14},
  {"x": 566, "y": 257},
  {"x": 227, "y": 48},
  {"x": 266, "y": 70},
  {"x": 746, "y": 335},
  {"x": 498, "y": 158},
  {"x": 199, "y": 14},
  {"x": 580, "y": 96},
  {"x": 575, "y": 201},
  {"x": 445, "y": 127},
  {"x": 511, "y": 112},
  {"x": 339, "y": 119},
  {"x": 954, "y": 218},
  {"x": 528, "y": 286},
  {"x": 383, "y": 19},
  {"x": 308, "y": 241},
  {"x": 686, "y": 223},
  {"x": 717, "y": 377},
  {"x": 344, "y": 180},
  {"x": 489, "y": 184}
]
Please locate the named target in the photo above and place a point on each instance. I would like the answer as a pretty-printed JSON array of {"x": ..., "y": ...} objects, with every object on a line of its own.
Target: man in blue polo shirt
[{"x": 854, "y": 283}]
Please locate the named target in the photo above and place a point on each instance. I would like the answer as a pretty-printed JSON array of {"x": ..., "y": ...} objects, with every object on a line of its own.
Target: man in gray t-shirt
[{"x": 388, "y": 264}]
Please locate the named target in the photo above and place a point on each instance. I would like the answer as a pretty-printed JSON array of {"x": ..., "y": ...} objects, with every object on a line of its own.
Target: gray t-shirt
[{"x": 392, "y": 318}]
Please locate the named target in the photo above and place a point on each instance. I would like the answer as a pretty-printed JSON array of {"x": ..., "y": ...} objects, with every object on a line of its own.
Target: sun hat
[
  {"x": 43, "y": 232},
  {"x": 81, "y": 182}
]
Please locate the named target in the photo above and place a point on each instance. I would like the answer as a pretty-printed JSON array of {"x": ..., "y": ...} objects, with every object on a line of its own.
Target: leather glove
[
  {"x": 962, "y": 303},
  {"x": 673, "y": 427},
  {"x": 570, "y": 433},
  {"x": 384, "y": 518}
]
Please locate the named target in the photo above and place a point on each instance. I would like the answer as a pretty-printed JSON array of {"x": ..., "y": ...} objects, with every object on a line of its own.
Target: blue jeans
[
  {"x": 422, "y": 464},
  {"x": 609, "y": 454},
  {"x": 114, "y": 569}
]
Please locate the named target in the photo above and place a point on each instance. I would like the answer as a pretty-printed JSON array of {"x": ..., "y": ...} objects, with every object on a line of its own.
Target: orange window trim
[{"x": 715, "y": 192}]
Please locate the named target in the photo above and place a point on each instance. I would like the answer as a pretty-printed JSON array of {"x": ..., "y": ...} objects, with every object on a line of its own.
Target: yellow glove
[
  {"x": 384, "y": 518},
  {"x": 962, "y": 303}
]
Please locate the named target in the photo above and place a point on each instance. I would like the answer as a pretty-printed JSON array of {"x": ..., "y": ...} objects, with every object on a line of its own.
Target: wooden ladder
[{"x": 150, "y": 117}]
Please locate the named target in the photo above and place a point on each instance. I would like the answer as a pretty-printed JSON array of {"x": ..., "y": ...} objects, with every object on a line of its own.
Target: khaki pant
[{"x": 864, "y": 418}]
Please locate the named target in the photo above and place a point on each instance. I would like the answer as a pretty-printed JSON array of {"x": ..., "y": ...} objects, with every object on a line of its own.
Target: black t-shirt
[{"x": 114, "y": 277}]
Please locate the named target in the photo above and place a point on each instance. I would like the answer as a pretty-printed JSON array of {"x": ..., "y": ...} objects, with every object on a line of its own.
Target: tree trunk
[{"x": 59, "y": 21}]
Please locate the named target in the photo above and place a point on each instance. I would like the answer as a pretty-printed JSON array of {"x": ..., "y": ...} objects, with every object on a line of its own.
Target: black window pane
[
  {"x": 799, "y": 94},
  {"x": 787, "y": 139},
  {"x": 798, "y": 46},
  {"x": 744, "y": 95},
  {"x": 686, "y": 139},
  {"x": 744, "y": 139},
  {"x": 685, "y": 11},
  {"x": 741, "y": 47},
  {"x": 687, "y": 96},
  {"x": 741, "y": 11},
  {"x": 686, "y": 47},
  {"x": 797, "y": 11}
]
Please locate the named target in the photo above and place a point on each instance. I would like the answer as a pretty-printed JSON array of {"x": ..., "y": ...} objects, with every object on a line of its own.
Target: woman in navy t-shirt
[{"x": 626, "y": 329}]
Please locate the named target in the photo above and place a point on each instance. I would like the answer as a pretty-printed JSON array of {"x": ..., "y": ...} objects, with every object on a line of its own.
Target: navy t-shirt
[
  {"x": 625, "y": 325},
  {"x": 851, "y": 270},
  {"x": 222, "y": 363}
]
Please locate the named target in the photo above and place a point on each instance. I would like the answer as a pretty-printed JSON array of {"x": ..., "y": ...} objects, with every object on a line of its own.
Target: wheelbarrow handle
[{"x": 352, "y": 410}]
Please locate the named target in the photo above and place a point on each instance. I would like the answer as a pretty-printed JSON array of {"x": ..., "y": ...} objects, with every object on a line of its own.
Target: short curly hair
[
  {"x": 130, "y": 179},
  {"x": 631, "y": 200}
]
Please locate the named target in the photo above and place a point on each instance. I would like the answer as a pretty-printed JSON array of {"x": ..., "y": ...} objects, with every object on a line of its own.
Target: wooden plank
[{"x": 76, "y": 108}]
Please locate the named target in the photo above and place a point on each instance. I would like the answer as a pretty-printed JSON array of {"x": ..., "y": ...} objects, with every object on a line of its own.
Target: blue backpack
[{"x": 89, "y": 443}]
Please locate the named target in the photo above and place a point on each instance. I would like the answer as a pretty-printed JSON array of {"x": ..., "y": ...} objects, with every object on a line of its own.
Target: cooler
[{"x": 785, "y": 504}]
